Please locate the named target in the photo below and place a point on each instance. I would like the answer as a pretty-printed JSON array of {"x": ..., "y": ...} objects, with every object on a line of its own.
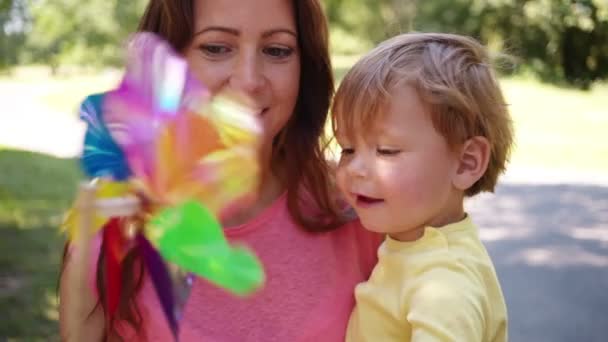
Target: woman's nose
[{"x": 248, "y": 75}]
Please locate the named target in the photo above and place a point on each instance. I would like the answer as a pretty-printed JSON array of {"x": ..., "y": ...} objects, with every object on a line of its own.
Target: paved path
[{"x": 550, "y": 246}]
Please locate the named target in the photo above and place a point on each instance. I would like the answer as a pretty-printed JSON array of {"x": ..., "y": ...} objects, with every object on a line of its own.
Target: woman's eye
[
  {"x": 278, "y": 52},
  {"x": 387, "y": 151},
  {"x": 214, "y": 49}
]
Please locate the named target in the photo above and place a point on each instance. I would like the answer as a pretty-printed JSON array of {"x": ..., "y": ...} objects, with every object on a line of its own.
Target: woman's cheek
[{"x": 213, "y": 75}]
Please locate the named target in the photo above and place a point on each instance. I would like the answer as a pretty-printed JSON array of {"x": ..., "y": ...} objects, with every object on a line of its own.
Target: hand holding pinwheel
[{"x": 171, "y": 158}]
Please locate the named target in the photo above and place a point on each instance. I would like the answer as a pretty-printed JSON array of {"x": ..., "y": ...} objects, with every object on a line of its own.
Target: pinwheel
[{"x": 168, "y": 159}]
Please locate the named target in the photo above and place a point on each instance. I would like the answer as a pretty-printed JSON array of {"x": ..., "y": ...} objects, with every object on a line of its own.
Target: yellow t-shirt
[{"x": 441, "y": 287}]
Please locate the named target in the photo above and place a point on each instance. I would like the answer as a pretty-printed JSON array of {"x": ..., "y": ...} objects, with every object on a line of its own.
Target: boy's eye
[
  {"x": 278, "y": 52},
  {"x": 347, "y": 151},
  {"x": 387, "y": 151}
]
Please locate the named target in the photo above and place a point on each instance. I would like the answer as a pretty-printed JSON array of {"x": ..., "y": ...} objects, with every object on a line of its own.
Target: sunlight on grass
[
  {"x": 559, "y": 128},
  {"x": 51, "y": 312},
  {"x": 62, "y": 93},
  {"x": 344, "y": 62}
]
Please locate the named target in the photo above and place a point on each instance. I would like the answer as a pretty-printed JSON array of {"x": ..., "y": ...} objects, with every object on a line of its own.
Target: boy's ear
[{"x": 472, "y": 163}]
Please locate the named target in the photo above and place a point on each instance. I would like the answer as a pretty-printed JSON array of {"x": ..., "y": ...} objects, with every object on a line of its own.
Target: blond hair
[{"x": 453, "y": 77}]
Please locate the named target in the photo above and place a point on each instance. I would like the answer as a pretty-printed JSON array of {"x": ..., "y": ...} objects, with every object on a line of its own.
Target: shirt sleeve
[{"x": 446, "y": 305}]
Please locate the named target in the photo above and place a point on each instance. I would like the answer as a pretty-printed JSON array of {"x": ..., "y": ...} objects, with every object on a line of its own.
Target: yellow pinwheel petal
[{"x": 105, "y": 189}]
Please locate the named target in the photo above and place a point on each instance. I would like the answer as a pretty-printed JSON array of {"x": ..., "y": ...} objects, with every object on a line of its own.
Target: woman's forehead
[{"x": 245, "y": 15}]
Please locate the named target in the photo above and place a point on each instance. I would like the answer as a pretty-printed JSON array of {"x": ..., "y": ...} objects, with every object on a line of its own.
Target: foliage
[
  {"x": 560, "y": 41},
  {"x": 67, "y": 31},
  {"x": 13, "y": 17},
  {"x": 557, "y": 40}
]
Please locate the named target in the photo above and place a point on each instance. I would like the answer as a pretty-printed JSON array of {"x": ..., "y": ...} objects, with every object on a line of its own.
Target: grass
[
  {"x": 34, "y": 190},
  {"x": 61, "y": 93},
  {"x": 559, "y": 128},
  {"x": 556, "y": 129}
]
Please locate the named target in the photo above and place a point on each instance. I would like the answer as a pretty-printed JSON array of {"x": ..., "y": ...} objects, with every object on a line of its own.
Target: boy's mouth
[{"x": 366, "y": 201}]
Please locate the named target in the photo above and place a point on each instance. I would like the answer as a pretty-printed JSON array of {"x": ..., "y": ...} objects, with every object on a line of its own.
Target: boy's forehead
[
  {"x": 371, "y": 116},
  {"x": 369, "y": 129}
]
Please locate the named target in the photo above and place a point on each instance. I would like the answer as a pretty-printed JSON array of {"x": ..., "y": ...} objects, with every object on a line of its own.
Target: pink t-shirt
[{"x": 308, "y": 295}]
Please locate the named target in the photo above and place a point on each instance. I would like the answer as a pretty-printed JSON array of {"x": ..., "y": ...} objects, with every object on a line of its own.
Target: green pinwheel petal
[{"x": 191, "y": 237}]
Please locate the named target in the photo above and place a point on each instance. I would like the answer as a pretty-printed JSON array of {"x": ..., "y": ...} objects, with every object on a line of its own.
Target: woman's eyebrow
[
  {"x": 236, "y": 32},
  {"x": 219, "y": 28},
  {"x": 279, "y": 30}
]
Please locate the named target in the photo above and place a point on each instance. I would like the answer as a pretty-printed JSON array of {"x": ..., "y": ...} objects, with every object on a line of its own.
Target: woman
[{"x": 276, "y": 51}]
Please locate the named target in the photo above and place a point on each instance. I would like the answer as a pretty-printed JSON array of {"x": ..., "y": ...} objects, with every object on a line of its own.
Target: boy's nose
[{"x": 358, "y": 167}]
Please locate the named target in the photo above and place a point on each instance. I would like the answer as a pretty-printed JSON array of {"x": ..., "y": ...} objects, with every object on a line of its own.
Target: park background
[{"x": 546, "y": 226}]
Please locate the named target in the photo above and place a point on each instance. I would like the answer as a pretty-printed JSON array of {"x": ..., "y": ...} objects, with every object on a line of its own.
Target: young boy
[{"x": 423, "y": 124}]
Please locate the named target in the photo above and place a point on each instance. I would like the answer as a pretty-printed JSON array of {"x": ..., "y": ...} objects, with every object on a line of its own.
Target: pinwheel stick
[
  {"x": 81, "y": 302},
  {"x": 118, "y": 206}
]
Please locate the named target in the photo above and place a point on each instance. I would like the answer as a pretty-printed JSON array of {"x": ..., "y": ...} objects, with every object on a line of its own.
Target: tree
[
  {"x": 373, "y": 20},
  {"x": 13, "y": 23},
  {"x": 557, "y": 40},
  {"x": 66, "y": 31}
]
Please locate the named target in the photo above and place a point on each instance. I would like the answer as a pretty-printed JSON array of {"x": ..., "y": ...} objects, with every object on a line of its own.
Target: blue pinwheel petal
[{"x": 101, "y": 156}]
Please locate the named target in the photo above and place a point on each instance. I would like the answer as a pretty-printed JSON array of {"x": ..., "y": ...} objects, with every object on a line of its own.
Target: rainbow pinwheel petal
[
  {"x": 101, "y": 156},
  {"x": 235, "y": 122},
  {"x": 189, "y": 236},
  {"x": 187, "y": 158},
  {"x": 172, "y": 284},
  {"x": 179, "y": 142},
  {"x": 105, "y": 189},
  {"x": 221, "y": 183}
]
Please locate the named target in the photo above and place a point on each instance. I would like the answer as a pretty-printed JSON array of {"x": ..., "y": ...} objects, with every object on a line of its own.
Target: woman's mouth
[{"x": 262, "y": 111}]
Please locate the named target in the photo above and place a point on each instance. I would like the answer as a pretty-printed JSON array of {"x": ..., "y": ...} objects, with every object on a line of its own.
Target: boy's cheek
[{"x": 341, "y": 179}]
